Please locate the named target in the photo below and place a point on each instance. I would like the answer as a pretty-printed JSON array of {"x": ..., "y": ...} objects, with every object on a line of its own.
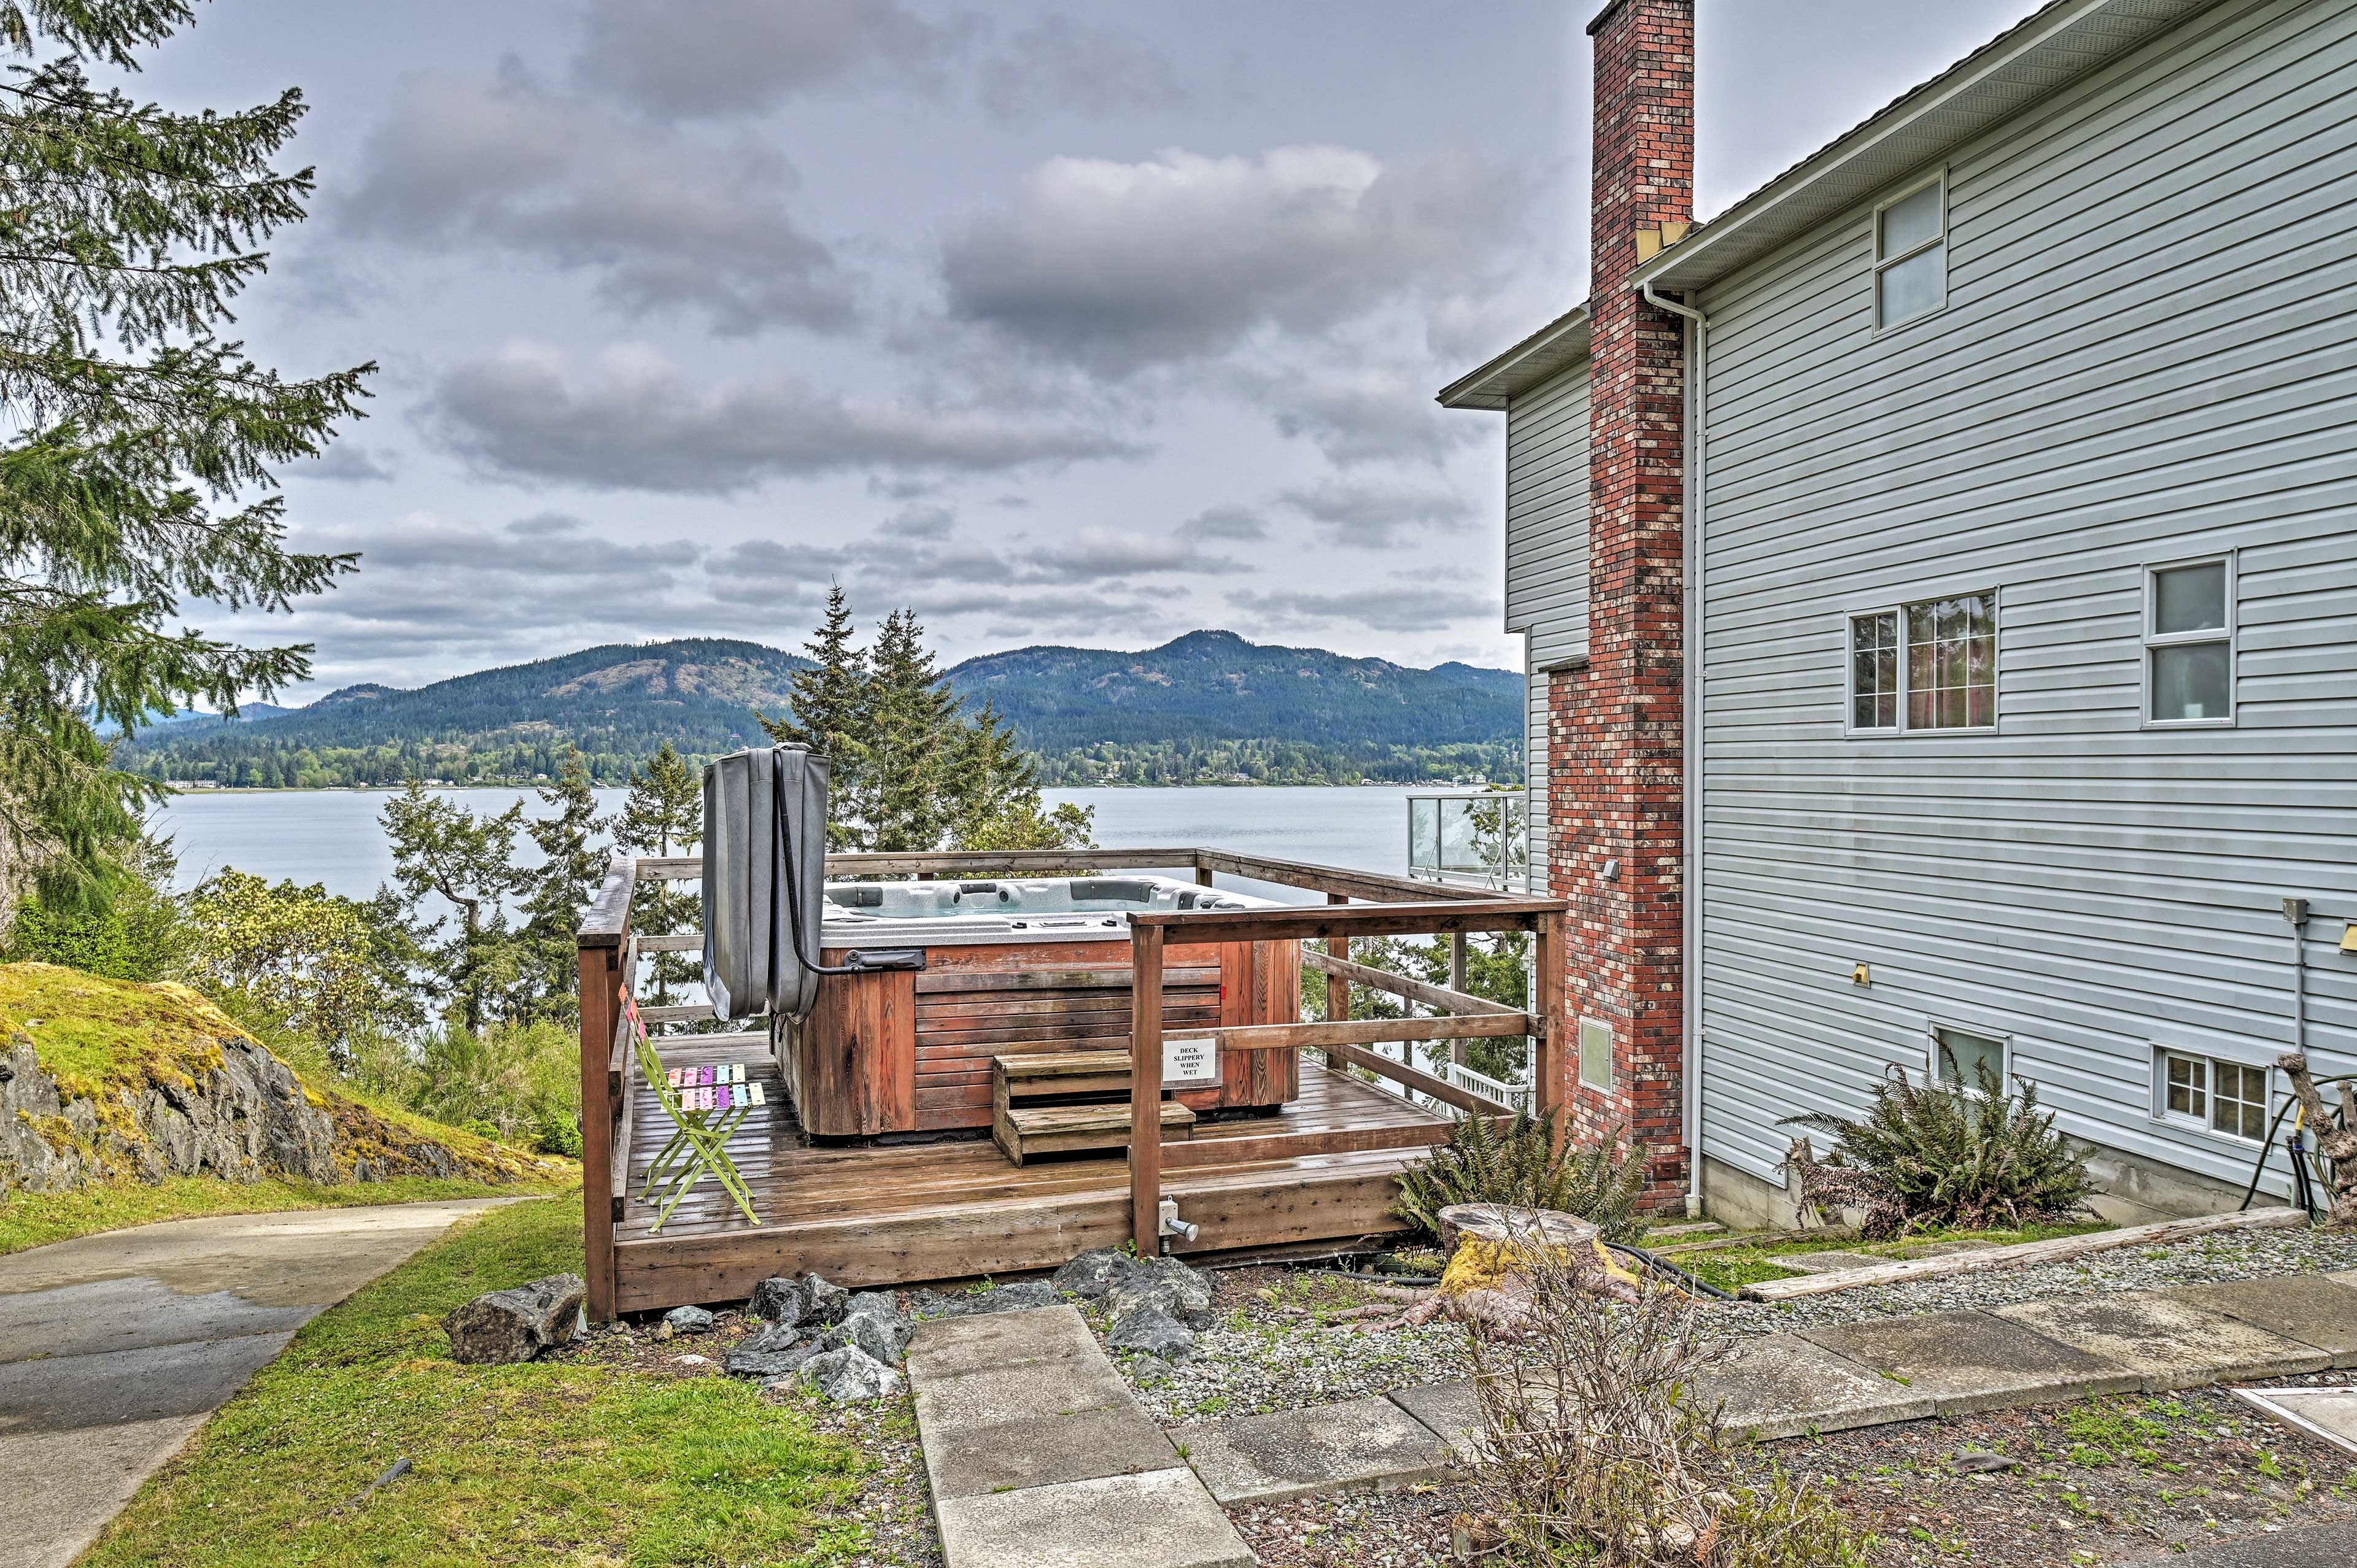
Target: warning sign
[{"x": 1190, "y": 1058}]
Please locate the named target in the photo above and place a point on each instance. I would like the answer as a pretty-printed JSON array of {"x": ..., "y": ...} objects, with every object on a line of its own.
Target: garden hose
[
  {"x": 1655, "y": 1260},
  {"x": 2259, "y": 1166}
]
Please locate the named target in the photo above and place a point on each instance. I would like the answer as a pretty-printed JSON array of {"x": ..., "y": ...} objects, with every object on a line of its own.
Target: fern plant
[
  {"x": 1517, "y": 1164},
  {"x": 1940, "y": 1154}
]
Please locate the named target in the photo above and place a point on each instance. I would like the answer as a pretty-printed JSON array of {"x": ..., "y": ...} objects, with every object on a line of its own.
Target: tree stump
[
  {"x": 1502, "y": 1223},
  {"x": 504, "y": 1326}
]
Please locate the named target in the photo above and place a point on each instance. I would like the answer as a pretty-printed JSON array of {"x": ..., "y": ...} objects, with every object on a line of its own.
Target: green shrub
[
  {"x": 133, "y": 929},
  {"x": 521, "y": 1079},
  {"x": 1517, "y": 1164},
  {"x": 1940, "y": 1154}
]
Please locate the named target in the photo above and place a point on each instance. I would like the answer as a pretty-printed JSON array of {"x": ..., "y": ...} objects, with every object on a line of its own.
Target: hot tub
[{"x": 1013, "y": 966}]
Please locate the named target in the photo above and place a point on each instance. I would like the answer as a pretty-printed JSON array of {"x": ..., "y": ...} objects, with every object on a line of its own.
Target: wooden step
[
  {"x": 1062, "y": 1072},
  {"x": 1023, "y": 1130}
]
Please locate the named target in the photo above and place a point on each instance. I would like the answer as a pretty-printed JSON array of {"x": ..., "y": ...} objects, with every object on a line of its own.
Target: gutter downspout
[{"x": 1690, "y": 791}]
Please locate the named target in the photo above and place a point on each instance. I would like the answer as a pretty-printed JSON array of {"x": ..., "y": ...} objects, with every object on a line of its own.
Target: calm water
[{"x": 331, "y": 836}]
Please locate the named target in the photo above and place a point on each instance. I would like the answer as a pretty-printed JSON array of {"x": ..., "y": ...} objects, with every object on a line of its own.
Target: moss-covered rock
[{"x": 107, "y": 1079}]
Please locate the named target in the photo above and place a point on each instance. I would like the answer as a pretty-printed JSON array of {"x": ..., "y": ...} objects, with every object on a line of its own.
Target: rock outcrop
[
  {"x": 109, "y": 1080},
  {"x": 501, "y": 1328}
]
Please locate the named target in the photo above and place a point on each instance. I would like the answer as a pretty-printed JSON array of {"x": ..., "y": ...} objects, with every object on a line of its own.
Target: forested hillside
[{"x": 1208, "y": 707}]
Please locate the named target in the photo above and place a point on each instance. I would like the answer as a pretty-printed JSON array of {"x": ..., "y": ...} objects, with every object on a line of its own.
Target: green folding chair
[{"x": 701, "y": 1121}]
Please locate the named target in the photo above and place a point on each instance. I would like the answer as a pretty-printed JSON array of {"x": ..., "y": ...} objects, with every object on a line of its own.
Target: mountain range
[{"x": 1206, "y": 706}]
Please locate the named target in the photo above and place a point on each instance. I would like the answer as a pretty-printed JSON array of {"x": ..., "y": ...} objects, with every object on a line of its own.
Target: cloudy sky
[{"x": 1060, "y": 322}]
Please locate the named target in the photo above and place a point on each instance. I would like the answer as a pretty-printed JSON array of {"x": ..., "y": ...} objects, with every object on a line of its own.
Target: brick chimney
[{"x": 1616, "y": 783}]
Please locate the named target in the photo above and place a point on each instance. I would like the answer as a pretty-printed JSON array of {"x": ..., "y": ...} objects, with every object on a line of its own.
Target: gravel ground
[
  {"x": 1280, "y": 1342},
  {"x": 2229, "y": 1255},
  {"x": 2101, "y": 1482}
]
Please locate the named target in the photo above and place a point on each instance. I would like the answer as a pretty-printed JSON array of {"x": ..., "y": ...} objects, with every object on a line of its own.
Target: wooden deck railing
[
  {"x": 1342, "y": 1039},
  {"x": 1386, "y": 906}
]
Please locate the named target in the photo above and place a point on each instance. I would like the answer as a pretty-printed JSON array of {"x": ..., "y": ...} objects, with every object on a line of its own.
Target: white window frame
[
  {"x": 1882, "y": 263},
  {"x": 2231, "y": 637},
  {"x": 1850, "y": 725},
  {"x": 1931, "y": 1028},
  {"x": 2211, "y": 1059}
]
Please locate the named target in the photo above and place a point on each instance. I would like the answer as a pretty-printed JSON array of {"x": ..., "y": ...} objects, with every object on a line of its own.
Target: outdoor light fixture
[
  {"x": 1861, "y": 975},
  {"x": 2349, "y": 937}
]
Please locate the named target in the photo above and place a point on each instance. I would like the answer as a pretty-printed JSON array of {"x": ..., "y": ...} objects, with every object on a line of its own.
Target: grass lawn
[
  {"x": 1731, "y": 1268},
  {"x": 37, "y": 1218},
  {"x": 567, "y": 1461}
]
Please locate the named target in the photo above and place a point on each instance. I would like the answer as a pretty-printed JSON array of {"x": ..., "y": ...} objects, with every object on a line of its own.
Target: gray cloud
[
  {"x": 1377, "y": 512},
  {"x": 931, "y": 523},
  {"x": 1225, "y": 522},
  {"x": 345, "y": 461},
  {"x": 1116, "y": 265},
  {"x": 1097, "y": 554},
  {"x": 664, "y": 221},
  {"x": 1377, "y": 609},
  {"x": 1370, "y": 416},
  {"x": 634, "y": 422},
  {"x": 690, "y": 59}
]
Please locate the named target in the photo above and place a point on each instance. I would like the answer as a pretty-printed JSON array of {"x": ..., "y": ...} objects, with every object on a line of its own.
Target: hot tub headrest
[{"x": 1114, "y": 887}]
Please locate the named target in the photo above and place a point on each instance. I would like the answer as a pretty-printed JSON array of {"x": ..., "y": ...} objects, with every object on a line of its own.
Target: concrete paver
[
  {"x": 1782, "y": 1385},
  {"x": 2314, "y": 1309},
  {"x": 1968, "y": 1361},
  {"x": 2168, "y": 1342},
  {"x": 1039, "y": 1457},
  {"x": 2309, "y": 1546},
  {"x": 2329, "y": 1413},
  {"x": 1367, "y": 1443},
  {"x": 1163, "y": 1519},
  {"x": 1451, "y": 1411},
  {"x": 114, "y": 1348}
]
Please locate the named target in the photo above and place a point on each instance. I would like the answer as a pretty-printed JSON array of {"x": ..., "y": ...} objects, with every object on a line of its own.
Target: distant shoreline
[{"x": 200, "y": 790}]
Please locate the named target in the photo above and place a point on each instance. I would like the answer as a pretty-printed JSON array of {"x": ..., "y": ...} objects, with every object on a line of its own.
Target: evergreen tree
[
  {"x": 443, "y": 850},
  {"x": 914, "y": 740},
  {"x": 140, "y": 437},
  {"x": 831, "y": 715},
  {"x": 573, "y": 863},
  {"x": 663, "y": 815},
  {"x": 994, "y": 795}
]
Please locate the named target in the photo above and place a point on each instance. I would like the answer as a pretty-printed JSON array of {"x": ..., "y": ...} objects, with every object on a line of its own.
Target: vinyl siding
[
  {"x": 1535, "y": 795},
  {"x": 2149, "y": 352},
  {"x": 1547, "y": 556}
]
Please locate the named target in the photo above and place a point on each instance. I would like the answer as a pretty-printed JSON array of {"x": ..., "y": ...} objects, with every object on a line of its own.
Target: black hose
[
  {"x": 1654, "y": 1260},
  {"x": 2259, "y": 1166}
]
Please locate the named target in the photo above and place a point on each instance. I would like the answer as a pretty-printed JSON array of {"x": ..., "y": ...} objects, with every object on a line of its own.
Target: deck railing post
[
  {"x": 603, "y": 960},
  {"x": 1547, "y": 1073},
  {"x": 1338, "y": 989},
  {"x": 1457, "y": 968},
  {"x": 1146, "y": 1088}
]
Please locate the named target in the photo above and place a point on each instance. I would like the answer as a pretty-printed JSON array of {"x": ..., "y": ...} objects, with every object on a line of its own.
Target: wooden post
[
  {"x": 1202, "y": 877},
  {"x": 1338, "y": 990},
  {"x": 601, "y": 1005},
  {"x": 1146, "y": 1088},
  {"x": 1547, "y": 1071},
  {"x": 1457, "y": 982}
]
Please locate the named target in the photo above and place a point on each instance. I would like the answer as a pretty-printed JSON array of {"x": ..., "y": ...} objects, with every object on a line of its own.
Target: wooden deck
[{"x": 902, "y": 1214}]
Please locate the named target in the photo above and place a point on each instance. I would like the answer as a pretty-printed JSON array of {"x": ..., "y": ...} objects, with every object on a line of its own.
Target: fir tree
[
  {"x": 914, "y": 741},
  {"x": 138, "y": 470},
  {"x": 663, "y": 815},
  {"x": 994, "y": 795},
  {"x": 573, "y": 863},
  {"x": 440, "y": 849},
  {"x": 831, "y": 715}
]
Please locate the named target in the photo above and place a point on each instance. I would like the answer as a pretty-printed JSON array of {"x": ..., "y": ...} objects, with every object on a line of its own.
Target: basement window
[
  {"x": 2211, "y": 1093},
  {"x": 2188, "y": 644},
  {"x": 1910, "y": 255},
  {"x": 1958, "y": 1054},
  {"x": 1595, "y": 1053},
  {"x": 1923, "y": 667}
]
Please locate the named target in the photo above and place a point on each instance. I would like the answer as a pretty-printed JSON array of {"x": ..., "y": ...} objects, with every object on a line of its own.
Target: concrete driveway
[{"x": 114, "y": 1348}]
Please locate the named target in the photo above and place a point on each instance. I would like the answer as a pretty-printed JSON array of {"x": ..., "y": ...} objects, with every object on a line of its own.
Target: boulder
[
  {"x": 780, "y": 1300},
  {"x": 774, "y": 1352},
  {"x": 1090, "y": 1275},
  {"x": 826, "y": 1301},
  {"x": 1151, "y": 1331},
  {"x": 1164, "y": 1283},
  {"x": 688, "y": 1320},
  {"x": 503, "y": 1327},
  {"x": 881, "y": 1303},
  {"x": 885, "y": 1339},
  {"x": 850, "y": 1376}
]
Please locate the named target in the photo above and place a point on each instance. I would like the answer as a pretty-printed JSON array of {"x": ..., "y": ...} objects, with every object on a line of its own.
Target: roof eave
[
  {"x": 2062, "y": 43},
  {"x": 1552, "y": 349}
]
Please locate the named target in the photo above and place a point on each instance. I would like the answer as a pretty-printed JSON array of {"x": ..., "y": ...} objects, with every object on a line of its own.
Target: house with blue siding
[{"x": 1939, "y": 578}]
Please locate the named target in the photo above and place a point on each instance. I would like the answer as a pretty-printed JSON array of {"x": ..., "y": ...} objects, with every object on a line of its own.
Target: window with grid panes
[{"x": 2222, "y": 1095}]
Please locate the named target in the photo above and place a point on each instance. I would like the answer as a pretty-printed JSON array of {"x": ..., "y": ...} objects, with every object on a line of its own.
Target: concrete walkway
[
  {"x": 1041, "y": 1458},
  {"x": 1826, "y": 1379},
  {"x": 114, "y": 1348}
]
